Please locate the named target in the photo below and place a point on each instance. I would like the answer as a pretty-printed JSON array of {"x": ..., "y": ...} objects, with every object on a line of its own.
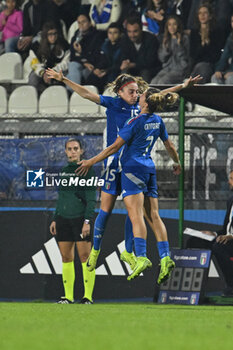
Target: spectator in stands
[
  {"x": 74, "y": 210},
  {"x": 222, "y": 10},
  {"x": 85, "y": 50},
  {"x": 139, "y": 51},
  {"x": 134, "y": 7},
  {"x": 180, "y": 8},
  {"x": 222, "y": 246},
  {"x": 35, "y": 14},
  {"x": 131, "y": 8},
  {"x": 11, "y": 25},
  {"x": 108, "y": 65},
  {"x": 51, "y": 52},
  {"x": 205, "y": 43},
  {"x": 224, "y": 68},
  {"x": 104, "y": 12},
  {"x": 66, "y": 10},
  {"x": 153, "y": 17},
  {"x": 173, "y": 53}
]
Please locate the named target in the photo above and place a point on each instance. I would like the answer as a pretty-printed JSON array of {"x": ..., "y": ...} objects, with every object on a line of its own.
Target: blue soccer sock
[
  {"x": 140, "y": 246},
  {"x": 128, "y": 235},
  {"x": 100, "y": 224},
  {"x": 163, "y": 248}
]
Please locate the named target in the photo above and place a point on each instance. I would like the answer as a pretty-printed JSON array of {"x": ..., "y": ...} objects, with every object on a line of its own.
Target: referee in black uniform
[{"x": 71, "y": 224}]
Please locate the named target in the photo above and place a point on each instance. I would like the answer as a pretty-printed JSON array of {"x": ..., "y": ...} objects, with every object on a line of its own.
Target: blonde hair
[{"x": 159, "y": 101}]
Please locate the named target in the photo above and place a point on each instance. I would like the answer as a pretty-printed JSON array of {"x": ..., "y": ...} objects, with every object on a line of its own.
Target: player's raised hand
[
  {"x": 52, "y": 74},
  {"x": 192, "y": 81},
  {"x": 84, "y": 166}
]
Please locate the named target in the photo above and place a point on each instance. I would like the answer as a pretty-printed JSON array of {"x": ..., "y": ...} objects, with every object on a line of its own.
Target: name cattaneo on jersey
[{"x": 150, "y": 126}]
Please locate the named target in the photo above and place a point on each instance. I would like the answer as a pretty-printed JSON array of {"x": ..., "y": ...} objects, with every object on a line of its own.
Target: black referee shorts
[{"x": 70, "y": 230}]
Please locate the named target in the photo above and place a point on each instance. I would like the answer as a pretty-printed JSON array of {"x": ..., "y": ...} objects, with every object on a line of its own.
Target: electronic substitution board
[{"x": 186, "y": 284}]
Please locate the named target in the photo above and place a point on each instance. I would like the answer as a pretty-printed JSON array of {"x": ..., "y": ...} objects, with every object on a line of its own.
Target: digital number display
[
  {"x": 184, "y": 279},
  {"x": 185, "y": 286}
]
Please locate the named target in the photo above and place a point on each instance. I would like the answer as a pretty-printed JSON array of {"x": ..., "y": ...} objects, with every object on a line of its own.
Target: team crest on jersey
[{"x": 107, "y": 185}]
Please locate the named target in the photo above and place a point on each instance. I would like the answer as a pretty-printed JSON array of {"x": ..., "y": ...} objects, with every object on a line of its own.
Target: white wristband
[{"x": 86, "y": 221}]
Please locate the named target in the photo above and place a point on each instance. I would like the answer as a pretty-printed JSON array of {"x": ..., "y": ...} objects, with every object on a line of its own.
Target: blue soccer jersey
[
  {"x": 140, "y": 134},
  {"x": 118, "y": 112}
]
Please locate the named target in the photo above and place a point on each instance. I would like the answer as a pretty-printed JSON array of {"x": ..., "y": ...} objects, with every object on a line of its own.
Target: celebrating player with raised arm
[
  {"x": 119, "y": 109},
  {"x": 138, "y": 178}
]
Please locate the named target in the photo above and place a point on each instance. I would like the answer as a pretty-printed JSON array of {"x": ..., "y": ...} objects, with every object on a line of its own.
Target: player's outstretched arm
[
  {"x": 174, "y": 155},
  {"x": 81, "y": 90},
  {"x": 84, "y": 165},
  {"x": 188, "y": 83}
]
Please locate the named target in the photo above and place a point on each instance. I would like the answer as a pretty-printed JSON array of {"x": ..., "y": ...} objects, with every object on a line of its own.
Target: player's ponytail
[
  {"x": 157, "y": 102},
  {"x": 142, "y": 85},
  {"x": 171, "y": 98}
]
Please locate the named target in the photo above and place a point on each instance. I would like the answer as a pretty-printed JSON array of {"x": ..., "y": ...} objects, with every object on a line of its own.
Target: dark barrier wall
[
  {"x": 48, "y": 154},
  {"x": 29, "y": 260},
  {"x": 218, "y": 97}
]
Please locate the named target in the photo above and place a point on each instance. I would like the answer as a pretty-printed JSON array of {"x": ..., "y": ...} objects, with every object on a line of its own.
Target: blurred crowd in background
[{"x": 92, "y": 42}]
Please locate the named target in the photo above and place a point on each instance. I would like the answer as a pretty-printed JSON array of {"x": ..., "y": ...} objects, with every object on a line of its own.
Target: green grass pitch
[{"x": 114, "y": 326}]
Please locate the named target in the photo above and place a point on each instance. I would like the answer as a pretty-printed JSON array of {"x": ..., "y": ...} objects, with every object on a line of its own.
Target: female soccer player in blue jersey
[
  {"x": 119, "y": 109},
  {"x": 138, "y": 180}
]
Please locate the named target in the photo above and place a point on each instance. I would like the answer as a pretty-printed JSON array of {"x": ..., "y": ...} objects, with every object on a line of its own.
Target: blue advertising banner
[
  {"x": 178, "y": 298},
  {"x": 23, "y": 161},
  {"x": 191, "y": 258}
]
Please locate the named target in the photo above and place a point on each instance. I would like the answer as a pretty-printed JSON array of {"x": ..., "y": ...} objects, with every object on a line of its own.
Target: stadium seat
[
  {"x": 23, "y": 100},
  {"x": 202, "y": 109},
  {"x": 42, "y": 121},
  {"x": 171, "y": 124},
  {"x": 54, "y": 100},
  {"x": 81, "y": 105},
  {"x": 3, "y": 100},
  {"x": 187, "y": 143},
  {"x": 197, "y": 121},
  {"x": 227, "y": 120},
  {"x": 72, "y": 120},
  {"x": 159, "y": 145},
  {"x": 10, "y": 67},
  {"x": 26, "y": 71},
  {"x": 158, "y": 159},
  {"x": 71, "y": 31}
]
